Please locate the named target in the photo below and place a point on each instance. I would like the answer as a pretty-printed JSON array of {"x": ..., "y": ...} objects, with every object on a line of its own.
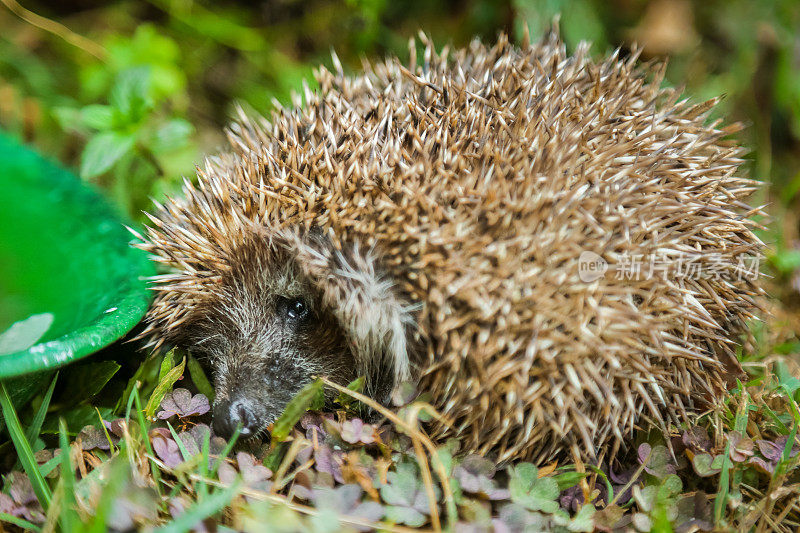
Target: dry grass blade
[{"x": 420, "y": 440}]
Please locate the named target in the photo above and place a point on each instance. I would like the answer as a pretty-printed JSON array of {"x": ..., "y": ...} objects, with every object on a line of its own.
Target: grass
[
  {"x": 172, "y": 474},
  {"x": 23, "y": 447}
]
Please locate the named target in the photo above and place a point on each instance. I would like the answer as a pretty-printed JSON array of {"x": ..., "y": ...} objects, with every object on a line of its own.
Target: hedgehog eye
[{"x": 295, "y": 308}]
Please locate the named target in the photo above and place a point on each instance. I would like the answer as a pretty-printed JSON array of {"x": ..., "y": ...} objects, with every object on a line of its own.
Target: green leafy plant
[
  {"x": 531, "y": 491},
  {"x": 136, "y": 142}
]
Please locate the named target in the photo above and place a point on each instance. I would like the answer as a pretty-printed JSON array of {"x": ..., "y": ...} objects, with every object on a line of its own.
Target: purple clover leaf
[
  {"x": 406, "y": 496},
  {"x": 194, "y": 437},
  {"x": 314, "y": 424},
  {"x": 136, "y": 506},
  {"x": 514, "y": 518},
  {"x": 762, "y": 465},
  {"x": 474, "y": 474},
  {"x": 178, "y": 505},
  {"x": 773, "y": 451},
  {"x": 741, "y": 448},
  {"x": 300, "y": 490},
  {"x": 254, "y": 473},
  {"x": 168, "y": 450},
  {"x": 356, "y": 431},
  {"x": 304, "y": 455},
  {"x": 346, "y": 501},
  {"x": 21, "y": 500},
  {"x": 8, "y": 505},
  {"x": 227, "y": 473},
  {"x": 571, "y": 498},
  {"x": 329, "y": 462},
  {"x": 706, "y": 466},
  {"x": 20, "y": 488},
  {"x": 182, "y": 404},
  {"x": 696, "y": 439},
  {"x": 165, "y": 448},
  {"x": 497, "y": 494},
  {"x": 656, "y": 460},
  {"x": 190, "y": 443},
  {"x": 116, "y": 428},
  {"x": 781, "y": 442},
  {"x": 694, "y": 513},
  {"x": 92, "y": 437},
  {"x": 621, "y": 478}
]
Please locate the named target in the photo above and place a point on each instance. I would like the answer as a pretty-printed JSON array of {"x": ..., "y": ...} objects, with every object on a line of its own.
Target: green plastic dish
[{"x": 70, "y": 284}]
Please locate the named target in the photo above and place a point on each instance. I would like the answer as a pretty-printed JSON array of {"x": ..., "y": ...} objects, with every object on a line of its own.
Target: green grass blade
[
  {"x": 740, "y": 425},
  {"x": 225, "y": 451},
  {"x": 167, "y": 364},
  {"x": 32, "y": 433},
  {"x": 786, "y": 455},
  {"x": 164, "y": 386},
  {"x": 69, "y": 515},
  {"x": 19, "y": 522},
  {"x": 24, "y": 451},
  {"x": 181, "y": 446},
  {"x": 201, "y": 489},
  {"x": 201, "y": 510},
  {"x": 742, "y": 417},
  {"x": 129, "y": 405},
  {"x": 50, "y": 465},
  {"x": 604, "y": 477},
  {"x": 111, "y": 447},
  {"x": 156, "y": 472},
  {"x": 356, "y": 385},
  {"x": 139, "y": 380},
  {"x": 200, "y": 379},
  {"x": 36, "y": 426},
  {"x": 204, "y": 453},
  {"x": 308, "y": 398},
  {"x": 117, "y": 475},
  {"x": 724, "y": 486},
  {"x": 782, "y": 429}
]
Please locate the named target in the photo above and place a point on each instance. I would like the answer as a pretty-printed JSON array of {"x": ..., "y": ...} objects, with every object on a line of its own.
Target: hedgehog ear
[{"x": 365, "y": 301}]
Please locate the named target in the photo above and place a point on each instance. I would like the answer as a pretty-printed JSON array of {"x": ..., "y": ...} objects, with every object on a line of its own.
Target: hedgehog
[{"x": 465, "y": 222}]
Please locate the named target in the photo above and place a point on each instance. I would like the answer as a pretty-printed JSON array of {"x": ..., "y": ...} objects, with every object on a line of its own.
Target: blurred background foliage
[{"x": 132, "y": 92}]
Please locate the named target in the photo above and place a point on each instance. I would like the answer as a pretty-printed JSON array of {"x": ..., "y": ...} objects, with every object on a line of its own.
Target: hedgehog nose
[{"x": 228, "y": 416}]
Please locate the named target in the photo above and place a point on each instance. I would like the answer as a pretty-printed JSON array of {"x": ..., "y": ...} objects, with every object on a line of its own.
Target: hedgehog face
[{"x": 264, "y": 340}]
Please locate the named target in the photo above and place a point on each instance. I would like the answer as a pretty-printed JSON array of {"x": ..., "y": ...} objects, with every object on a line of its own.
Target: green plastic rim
[{"x": 70, "y": 283}]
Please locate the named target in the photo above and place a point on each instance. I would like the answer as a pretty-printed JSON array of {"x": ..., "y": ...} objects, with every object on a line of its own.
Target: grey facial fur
[{"x": 264, "y": 340}]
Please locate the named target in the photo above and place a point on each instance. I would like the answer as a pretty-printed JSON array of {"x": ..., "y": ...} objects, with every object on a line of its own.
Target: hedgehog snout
[
  {"x": 252, "y": 396},
  {"x": 228, "y": 415}
]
